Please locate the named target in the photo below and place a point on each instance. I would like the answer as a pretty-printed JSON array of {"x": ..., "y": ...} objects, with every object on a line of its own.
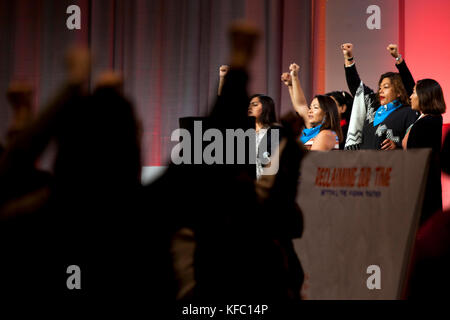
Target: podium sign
[{"x": 361, "y": 211}]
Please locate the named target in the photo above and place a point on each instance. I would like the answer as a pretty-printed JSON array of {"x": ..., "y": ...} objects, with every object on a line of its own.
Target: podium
[{"x": 361, "y": 212}]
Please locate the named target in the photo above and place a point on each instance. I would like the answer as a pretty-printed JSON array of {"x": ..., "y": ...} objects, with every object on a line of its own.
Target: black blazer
[
  {"x": 445, "y": 154},
  {"x": 427, "y": 133}
]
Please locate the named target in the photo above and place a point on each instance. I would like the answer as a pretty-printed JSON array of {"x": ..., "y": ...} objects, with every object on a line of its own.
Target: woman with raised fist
[
  {"x": 427, "y": 99},
  {"x": 262, "y": 108},
  {"x": 379, "y": 119},
  {"x": 323, "y": 131}
]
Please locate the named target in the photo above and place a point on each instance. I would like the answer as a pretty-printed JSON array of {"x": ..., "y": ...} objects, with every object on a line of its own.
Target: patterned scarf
[{"x": 359, "y": 109}]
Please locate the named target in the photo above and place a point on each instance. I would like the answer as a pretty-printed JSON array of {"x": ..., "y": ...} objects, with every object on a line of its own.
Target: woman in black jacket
[
  {"x": 427, "y": 99},
  {"x": 379, "y": 119},
  {"x": 431, "y": 253},
  {"x": 426, "y": 132}
]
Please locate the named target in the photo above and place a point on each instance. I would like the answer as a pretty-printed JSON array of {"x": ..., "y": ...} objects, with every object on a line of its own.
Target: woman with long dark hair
[
  {"x": 323, "y": 131},
  {"x": 262, "y": 107}
]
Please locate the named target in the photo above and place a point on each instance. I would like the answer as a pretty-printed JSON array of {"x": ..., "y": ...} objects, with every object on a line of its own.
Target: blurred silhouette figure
[
  {"x": 30, "y": 188},
  {"x": 19, "y": 96},
  {"x": 232, "y": 239},
  {"x": 128, "y": 240},
  {"x": 93, "y": 198}
]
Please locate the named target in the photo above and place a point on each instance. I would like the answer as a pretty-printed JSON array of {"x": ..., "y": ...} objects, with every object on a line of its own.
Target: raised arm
[
  {"x": 298, "y": 97},
  {"x": 30, "y": 143},
  {"x": 287, "y": 80},
  {"x": 351, "y": 74},
  {"x": 223, "y": 70},
  {"x": 231, "y": 107},
  {"x": 405, "y": 74}
]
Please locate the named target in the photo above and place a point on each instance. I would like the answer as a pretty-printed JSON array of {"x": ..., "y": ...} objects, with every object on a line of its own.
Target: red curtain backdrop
[
  {"x": 168, "y": 50},
  {"x": 427, "y": 49}
]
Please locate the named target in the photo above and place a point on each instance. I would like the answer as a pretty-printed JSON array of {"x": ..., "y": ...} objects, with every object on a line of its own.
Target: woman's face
[
  {"x": 315, "y": 113},
  {"x": 255, "y": 108},
  {"x": 386, "y": 92},
  {"x": 415, "y": 100}
]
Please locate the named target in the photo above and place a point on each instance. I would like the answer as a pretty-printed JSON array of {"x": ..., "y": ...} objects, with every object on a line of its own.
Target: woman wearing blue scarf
[
  {"x": 379, "y": 120},
  {"x": 323, "y": 131}
]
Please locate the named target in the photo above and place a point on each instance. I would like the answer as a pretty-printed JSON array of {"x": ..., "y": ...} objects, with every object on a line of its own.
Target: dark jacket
[
  {"x": 393, "y": 127},
  {"x": 427, "y": 133}
]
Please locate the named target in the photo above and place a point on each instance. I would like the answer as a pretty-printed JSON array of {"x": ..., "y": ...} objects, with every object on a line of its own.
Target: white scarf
[{"x": 357, "y": 118}]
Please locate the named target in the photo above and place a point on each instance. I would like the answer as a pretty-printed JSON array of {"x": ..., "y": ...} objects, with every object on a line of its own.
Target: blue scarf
[
  {"x": 310, "y": 133},
  {"x": 384, "y": 111}
]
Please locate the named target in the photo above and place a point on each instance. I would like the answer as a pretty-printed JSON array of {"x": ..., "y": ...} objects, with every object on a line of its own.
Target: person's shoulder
[
  {"x": 327, "y": 133},
  {"x": 407, "y": 112},
  {"x": 276, "y": 125},
  {"x": 325, "y": 140},
  {"x": 435, "y": 118},
  {"x": 406, "y": 108},
  {"x": 430, "y": 121}
]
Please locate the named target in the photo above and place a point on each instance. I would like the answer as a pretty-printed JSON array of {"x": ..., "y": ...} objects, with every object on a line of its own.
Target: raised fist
[
  {"x": 347, "y": 50},
  {"x": 78, "y": 64},
  {"x": 294, "y": 69},
  {"x": 20, "y": 94},
  {"x": 393, "y": 50},
  {"x": 110, "y": 79},
  {"x": 223, "y": 70},
  {"x": 244, "y": 37},
  {"x": 286, "y": 78}
]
